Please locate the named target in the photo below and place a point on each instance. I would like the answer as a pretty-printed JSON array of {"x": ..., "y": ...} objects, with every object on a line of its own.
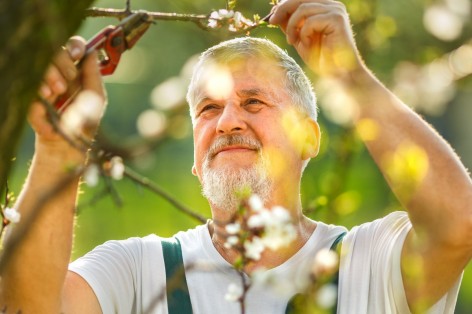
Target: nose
[{"x": 231, "y": 120}]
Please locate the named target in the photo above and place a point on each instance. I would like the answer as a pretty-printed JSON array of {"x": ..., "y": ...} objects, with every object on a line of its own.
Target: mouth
[
  {"x": 233, "y": 144},
  {"x": 234, "y": 149}
]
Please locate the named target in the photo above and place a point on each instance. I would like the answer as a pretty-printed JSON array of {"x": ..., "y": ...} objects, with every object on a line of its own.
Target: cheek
[{"x": 201, "y": 143}]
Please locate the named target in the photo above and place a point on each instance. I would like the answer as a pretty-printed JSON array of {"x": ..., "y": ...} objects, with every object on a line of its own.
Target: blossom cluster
[
  {"x": 234, "y": 20},
  {"x": 113, "y": 168},
  {"x": 258, "y": 228},
  {"x": 253, "y": 229}
]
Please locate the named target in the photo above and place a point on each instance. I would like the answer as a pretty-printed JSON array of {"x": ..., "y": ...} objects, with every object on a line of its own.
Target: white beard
[{"x": 223, "y": 186}]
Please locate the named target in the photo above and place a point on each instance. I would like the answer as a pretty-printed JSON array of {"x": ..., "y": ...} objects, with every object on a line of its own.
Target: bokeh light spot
[{"x": 151, "y": 123}]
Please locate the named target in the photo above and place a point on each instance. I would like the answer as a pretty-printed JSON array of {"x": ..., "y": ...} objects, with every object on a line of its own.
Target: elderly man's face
[{"x": 242, "y": 130}]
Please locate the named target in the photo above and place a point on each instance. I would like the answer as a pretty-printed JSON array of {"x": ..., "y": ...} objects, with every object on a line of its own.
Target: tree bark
[{"x": 30, "y": 33}]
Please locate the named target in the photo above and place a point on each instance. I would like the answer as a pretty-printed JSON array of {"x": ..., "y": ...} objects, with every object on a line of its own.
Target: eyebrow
[
  {"x": 244, "y": 93},
  {"x": 253, "y": 92}
]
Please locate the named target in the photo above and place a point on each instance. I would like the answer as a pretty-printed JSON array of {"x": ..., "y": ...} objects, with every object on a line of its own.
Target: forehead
[{"x": 247, "y": 74}]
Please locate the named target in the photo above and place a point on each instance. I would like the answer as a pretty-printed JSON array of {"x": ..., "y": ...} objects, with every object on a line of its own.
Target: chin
[{"x": 222, "y": 185}]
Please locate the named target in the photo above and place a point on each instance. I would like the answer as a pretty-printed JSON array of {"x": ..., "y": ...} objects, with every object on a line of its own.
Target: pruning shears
[{"x": 112, "y": 41}]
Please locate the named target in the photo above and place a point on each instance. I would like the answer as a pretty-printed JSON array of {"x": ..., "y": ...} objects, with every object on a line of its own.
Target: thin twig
[
  {"x": 93, "y": 200},
  {"x": 54, "y": 118},
  {"x": 201, "y": 20},
  {"x": 154, "y": 188},
  {"x": 122, "y": 13},
  {"x": 128, "y": 6},
  {"x": 112, "y": 191}
]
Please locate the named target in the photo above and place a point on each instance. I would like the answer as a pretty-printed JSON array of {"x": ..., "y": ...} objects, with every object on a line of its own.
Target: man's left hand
[{"x": 321, "y": 33}]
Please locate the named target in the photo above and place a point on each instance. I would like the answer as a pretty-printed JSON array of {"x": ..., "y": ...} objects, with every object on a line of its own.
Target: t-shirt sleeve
[
  {"x": 370, "y": 271},
  {"x": 111, "y": 270}
]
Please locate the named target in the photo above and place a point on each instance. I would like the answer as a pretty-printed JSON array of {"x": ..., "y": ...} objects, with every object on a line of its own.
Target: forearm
[
  {"x": 421, "y": 168},
  {"x": 40, "y": 244}
]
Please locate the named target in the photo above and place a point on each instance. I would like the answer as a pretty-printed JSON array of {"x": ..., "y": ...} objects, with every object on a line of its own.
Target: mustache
[{"x": 232, "y": 139}]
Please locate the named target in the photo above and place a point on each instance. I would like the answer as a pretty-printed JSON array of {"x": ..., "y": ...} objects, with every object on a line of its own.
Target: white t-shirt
[{"x": 129, "y": 276}]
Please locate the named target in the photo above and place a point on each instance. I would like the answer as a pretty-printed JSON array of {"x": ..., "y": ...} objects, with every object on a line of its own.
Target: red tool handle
[{"x": 110, "y": 42}]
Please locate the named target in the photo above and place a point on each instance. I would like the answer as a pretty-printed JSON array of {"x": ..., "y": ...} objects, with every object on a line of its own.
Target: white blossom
[
  {"x": 325, "y": 263},
  {"x": 255, "y": 221},
  {"x": 326, "y": 296},
  {"x": 86, "y": 109},
  {"x": 234, "y": 293},
  {"x": 90, "y": 105},
  {"x": 212, "y": 23},
  {"x": 237, "y": 19},
  {"x": 231, "y": 241},
  {"x": 214, "y": 15},
  {"x": 91, "y": 175},
  {"x": 227, "y": 14},
  {"x": 278, "y": 231},
  {"x": 12, "y": 215},
  {"x": 280, "y": 214},
  {"x": 278, "y": 236},
  {"x": 254, "y": 248},
  {"x": 233, "y": 228},
  {"x": 117, "y": 168},
  {"x": 255, "y": 203}
]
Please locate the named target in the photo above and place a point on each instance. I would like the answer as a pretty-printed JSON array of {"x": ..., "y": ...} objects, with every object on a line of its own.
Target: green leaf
[{"x": 231, "y": 4}]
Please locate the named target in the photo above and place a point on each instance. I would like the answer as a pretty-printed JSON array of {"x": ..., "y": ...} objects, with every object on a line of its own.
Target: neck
[{"x": 269, "y": 258}]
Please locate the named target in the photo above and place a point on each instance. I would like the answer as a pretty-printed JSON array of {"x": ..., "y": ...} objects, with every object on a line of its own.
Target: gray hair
[{"x": 298, "y": 85}]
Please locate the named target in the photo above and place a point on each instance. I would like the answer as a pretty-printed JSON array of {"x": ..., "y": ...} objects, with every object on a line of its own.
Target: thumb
[{"x": 91, "y": 77}]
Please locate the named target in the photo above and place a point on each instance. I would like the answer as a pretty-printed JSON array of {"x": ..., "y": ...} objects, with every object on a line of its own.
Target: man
[{"x": 241, "y": 138}]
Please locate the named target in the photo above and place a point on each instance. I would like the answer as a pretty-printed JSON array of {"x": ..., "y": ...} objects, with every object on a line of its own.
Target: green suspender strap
[
  {"x": 291, "y": 304},
  {"x": 178, "y": 298},
  {"x": 334, "y": 247}
]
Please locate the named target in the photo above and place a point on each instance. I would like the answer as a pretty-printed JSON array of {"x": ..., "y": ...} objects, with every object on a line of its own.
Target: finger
[
  {"x": 66, "y": 59},
  {"x": 322, "y": 25},
  {"x": 91, "y": 77},
  {"x": 285, "y": 9},
  {"x": 318, "y": 26},
  {"x": 297, "y": 19},
  {"x": 37, "y": 118},
  {"x": 76, "y": 46},
  {"x": 55, "y": 81},
  {"x": 45, "y": 91},
  {"x": 65, "y": 64}
]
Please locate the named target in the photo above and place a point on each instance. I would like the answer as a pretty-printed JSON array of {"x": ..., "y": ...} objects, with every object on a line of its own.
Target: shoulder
[
  {"x": 394, "y": 223},
  {"x": 123, "y": 252},
  {"x": 193, "y": 235},
  {"x": 382, "y": 236}
]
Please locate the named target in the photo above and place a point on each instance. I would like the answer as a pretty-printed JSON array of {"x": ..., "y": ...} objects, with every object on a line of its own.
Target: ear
[
  {"x": 194, "y": 170},
  {"x": 311, "y": 146}
]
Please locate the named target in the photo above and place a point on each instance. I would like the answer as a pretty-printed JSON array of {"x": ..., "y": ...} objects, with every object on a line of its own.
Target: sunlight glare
[
  {"x": 151, "y": 123},
  {"x": 169, "y": 94},
  {"x": 218, "y": 81},
  {"x": 442, "y": 23}
]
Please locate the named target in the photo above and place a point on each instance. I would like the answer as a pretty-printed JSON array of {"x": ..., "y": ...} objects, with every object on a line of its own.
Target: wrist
[
  {"x": 359, "y": 79},
  {"x": 59, "y": 154}
]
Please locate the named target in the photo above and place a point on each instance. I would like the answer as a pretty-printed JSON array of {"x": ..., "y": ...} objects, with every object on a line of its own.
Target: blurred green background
[{"x": 422, "y": 49}]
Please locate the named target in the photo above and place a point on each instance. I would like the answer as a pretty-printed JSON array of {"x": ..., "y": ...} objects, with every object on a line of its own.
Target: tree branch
[
  {"x": 154, "y": 188},
  {"x": 242, "y": 25}
]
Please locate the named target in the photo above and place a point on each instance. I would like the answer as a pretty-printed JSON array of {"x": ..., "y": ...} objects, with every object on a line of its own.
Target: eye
[
  {"x": 206, "y": 109},
  {"x": 252, "y": 101},
  {"x": 253, "y": 105}
]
